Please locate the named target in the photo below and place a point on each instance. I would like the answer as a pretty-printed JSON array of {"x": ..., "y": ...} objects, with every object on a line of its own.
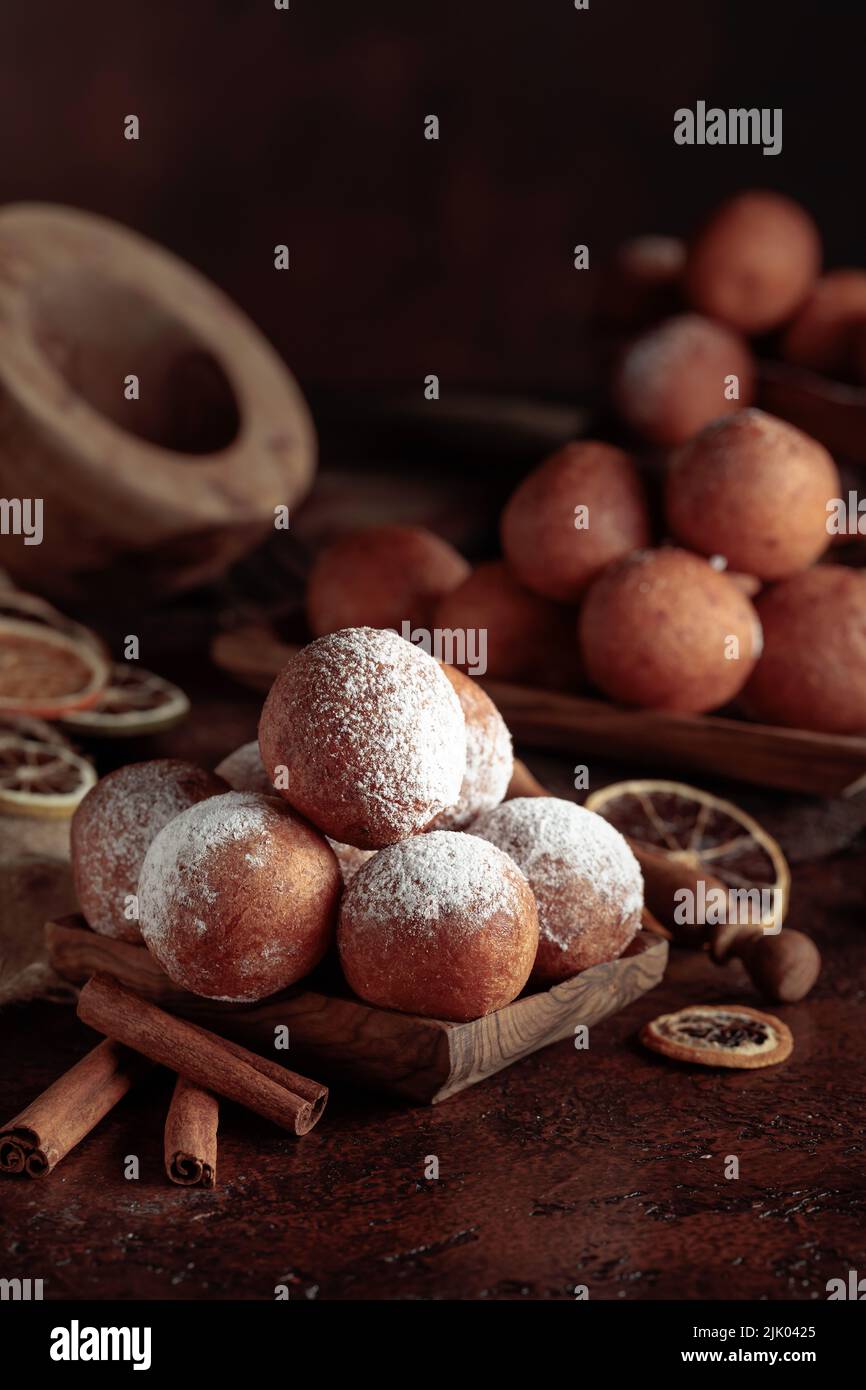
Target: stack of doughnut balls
[
  {"x": 371, "y": 813},
  {"x": 727, "y": 598}
]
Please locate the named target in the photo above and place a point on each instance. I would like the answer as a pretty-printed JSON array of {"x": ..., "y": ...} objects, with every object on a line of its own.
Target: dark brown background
[{"x": 306, "y": 127}]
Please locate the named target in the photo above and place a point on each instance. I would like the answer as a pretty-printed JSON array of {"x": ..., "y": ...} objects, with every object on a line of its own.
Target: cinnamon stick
[
  {"x": 37, "y": 1139},
  {"x": 291, "y": 1101},
  {"x": 524, "y": 783},
  {"x": 652, "y": 924},
  {"x": 191, "y": 1135}
]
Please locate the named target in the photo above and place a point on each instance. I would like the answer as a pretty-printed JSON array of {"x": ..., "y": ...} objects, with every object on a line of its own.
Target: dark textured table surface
[{"x": 603, "y": 1168}]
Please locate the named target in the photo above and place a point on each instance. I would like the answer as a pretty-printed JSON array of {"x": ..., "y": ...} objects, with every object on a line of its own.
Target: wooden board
[
  {"x": 764, "y": 754},
  {"x": 338, "y": 1035},
  {"x": 769, "y": 756}
]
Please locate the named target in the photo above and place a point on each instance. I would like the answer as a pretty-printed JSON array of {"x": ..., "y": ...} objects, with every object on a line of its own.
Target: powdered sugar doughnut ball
[
  {"x": 587, "y": 883},
  {"x": 349, "y": 858},
  {"x": 641, "y": 283},
  {"x": 812, "y": 674},
  {"x": 381, "y": 577},
  {"x": 489, "y": 755},
  {"x": 822, "y": 335},
  {"x": 527, "y": 637},
  {"x": 113, "y": 828},
  {"x": 545, "y": 547},
  {"x": 754, "y": 261},
  {"x": 753, "y": 489},
  {"x": 244, "y": 772},
  {"x": 673, "y": 379},
  {"x": 664, "y": 630},
  {"x": 371, "y": 735},
  {"x": 238, "y": 897},
  {"x": 441, "y": 925}
]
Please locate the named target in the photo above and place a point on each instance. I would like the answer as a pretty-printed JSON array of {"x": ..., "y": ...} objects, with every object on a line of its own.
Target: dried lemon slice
[
  {"x": 701, "y": 832},
  {"x": 41, "y": 779},
  {"x": 135, "y": 701}
]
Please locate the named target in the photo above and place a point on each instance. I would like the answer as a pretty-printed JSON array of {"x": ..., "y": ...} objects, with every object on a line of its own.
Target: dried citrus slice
[
  {"x": 720, "y": 1035},
  {"x": 44, "y": 672},
  {"x": 15, "y": 603},
  {"x": 135, "y": 701},
  {"x": 41, "y": 779},
  {"x": 703, "y": 834},
  {"x": 26, "y": 726}
]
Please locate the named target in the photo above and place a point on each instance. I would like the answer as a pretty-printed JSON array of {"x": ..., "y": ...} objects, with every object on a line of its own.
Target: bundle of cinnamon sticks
[{"x": 137, "y": 1035}]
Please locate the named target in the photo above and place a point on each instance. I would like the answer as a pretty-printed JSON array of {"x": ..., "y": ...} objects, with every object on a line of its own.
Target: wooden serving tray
[
  {"x": 770, "y": 756},
  {"x": 421, "y": 1058},
  {"x": 832, "y": 411}
]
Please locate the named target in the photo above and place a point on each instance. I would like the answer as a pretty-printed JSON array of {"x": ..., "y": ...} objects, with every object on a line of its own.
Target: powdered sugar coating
[
  {"x": 421, "y": 880},
  {"x": 114, "y": 826},
  {"x": 658, "y": 355},
  {"x": 238, "y": 892},
  {"x": 244, "y": 772},
  {"x": 586, "y": 880},
  {"x": 489, "y": 755},
  {"x": 670, "y": 381},
  {"x": 177, "y": 867},
  {"x": 653, "y": 256},
  {"x": 371, "y": 734},
  {"x": 442, "y": 924}
]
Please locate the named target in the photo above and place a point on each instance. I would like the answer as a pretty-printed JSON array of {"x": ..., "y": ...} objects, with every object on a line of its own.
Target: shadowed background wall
[{"x": 410, "y": 256}]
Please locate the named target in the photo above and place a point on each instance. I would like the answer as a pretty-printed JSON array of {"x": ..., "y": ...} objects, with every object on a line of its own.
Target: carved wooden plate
[{"x": 339, "y": 1036}]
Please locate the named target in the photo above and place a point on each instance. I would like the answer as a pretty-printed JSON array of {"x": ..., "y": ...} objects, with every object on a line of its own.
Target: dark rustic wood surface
[{"x": 603, "y": 1167}]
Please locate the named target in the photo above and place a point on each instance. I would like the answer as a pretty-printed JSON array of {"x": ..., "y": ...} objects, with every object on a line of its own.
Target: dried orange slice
[
  {"x": 41, "y": 779},
  {"x": 135, "y": 701},
  {"x": 26, "y": 726},
  {"x": 703, "y": 834},
  {"x": 45, "y": 672},
  {"x": 15, "y": 603},
  {"x": 720, "y": 1035}
]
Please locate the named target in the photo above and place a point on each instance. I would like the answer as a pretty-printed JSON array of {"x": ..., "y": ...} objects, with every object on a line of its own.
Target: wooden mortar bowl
[{"x": 162, "y": 492}]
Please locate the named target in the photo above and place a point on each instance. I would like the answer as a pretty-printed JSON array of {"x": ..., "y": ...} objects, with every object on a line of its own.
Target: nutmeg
[{"x": 783, "y": 966}]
